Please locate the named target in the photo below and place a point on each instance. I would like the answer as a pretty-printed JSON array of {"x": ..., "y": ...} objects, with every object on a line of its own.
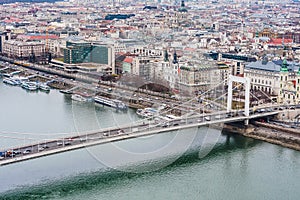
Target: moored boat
[
  {"x": 32, "y": 86},
  {"x": 44, "y": 87},
  {"x": 10, "y": 81},
  {"x": 114, "y": 103},
  {"x": 66, "y": 91},
  {"x": 81, "y": 97}
]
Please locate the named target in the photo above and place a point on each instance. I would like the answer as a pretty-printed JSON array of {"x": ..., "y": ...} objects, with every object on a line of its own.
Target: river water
[{"x": 189, "y": 164}]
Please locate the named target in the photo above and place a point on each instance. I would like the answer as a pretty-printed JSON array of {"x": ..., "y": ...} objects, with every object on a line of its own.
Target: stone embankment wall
[
  {"x": 289, "y": 115},
  {"x": 287, "y": 137}
]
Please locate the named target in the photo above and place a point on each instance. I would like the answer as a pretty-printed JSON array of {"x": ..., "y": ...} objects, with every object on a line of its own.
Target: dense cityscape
[
  {"x": 229, "y": 65},
  {"x": 191, "y": 46}
]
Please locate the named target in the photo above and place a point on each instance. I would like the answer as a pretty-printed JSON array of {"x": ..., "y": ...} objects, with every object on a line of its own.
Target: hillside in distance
[{"x": 34, "y": 1}]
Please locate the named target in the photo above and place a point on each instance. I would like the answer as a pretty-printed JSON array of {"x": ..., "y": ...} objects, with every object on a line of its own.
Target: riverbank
[
  {"x": 135, "y": 97},
  {"x": 286, "y": 137},
  {"x": 140, "y": 98}
]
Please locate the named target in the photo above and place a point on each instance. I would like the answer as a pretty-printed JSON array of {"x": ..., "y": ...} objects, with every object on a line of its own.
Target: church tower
[
  {"x": 298, "y": 87},
  {"x": 175, "y": 58},
  {"x": 284, "y": 73},
  {"x": 166, "y": 55}
]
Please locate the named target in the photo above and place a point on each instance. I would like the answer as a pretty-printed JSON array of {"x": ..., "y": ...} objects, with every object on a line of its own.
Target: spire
[
  {"x": 166, "y": 56},
  {"x": 175, "y": 58},
  {"x": 182, "y": 4},
  {"x": 284, "y": 66},
  {"x": 265, "y": 60},
  {"x": 182, "y": 7}
]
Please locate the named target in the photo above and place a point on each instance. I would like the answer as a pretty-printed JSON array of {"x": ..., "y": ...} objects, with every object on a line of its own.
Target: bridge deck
[{"x": 103, "y": 136}]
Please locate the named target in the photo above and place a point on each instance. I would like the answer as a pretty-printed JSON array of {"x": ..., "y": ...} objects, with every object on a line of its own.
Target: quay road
[
  {"x": 131, "y": 94},
  {"x": 139, "y": 129},
  {"x": 123, "y": 92},
  {"x": 120, "y": 91}
]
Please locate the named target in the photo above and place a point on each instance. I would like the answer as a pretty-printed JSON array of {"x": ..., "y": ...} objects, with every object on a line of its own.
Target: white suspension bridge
[{"x": 195, "y": 118}]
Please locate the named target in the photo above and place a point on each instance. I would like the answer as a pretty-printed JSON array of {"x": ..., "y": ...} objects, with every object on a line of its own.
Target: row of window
[
  {"x": 290, "y": 96},
  {"x": 265, "y": 89},
  {"x": 261, "y": 81},
  {"x": 285, "y": 78}
]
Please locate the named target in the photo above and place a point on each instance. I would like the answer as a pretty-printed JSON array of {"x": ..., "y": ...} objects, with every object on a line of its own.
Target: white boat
[
  {"x": 147, "y": 112},
  {"x": 32, "y": 86},
  {"x": 44, "y": 87},
  {"x": 7, "y": 75},
  {"x": 111, "y": 103},
  {"x": 10, "y": 81},
  {"x": 81, "y": 97}
]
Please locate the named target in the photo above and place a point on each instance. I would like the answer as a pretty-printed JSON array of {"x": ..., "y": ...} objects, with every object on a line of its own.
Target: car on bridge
[
  {"x": 166, "y": 124},
  {"x": 2, "y": 155},
  {"x": 207, "y": 118},
  {"x": 218, "y": 116},
  {"x": 40, "y": 148},
  {"x": 175, "y": 124},
  {"x": 229, "y": 114},
  {"x": 68, "y": 143},
  {"x": 59, "y": 143},
  {"x": 106, "y": 134},
  {"x": 26, "y": 151},
  {"x": 261, "y": 110},
  {"x": 120, "y": 131},
  {"x": 17, "y": 152}
]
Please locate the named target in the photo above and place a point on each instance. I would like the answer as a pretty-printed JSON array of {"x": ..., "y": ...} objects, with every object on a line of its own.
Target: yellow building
[{"x": 289, "y": 86}]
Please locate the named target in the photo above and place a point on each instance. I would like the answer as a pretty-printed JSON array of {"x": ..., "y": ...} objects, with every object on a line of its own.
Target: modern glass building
[
  {"x": 85, "y": 52},
  {"x": 77, "y": 52},
  {"x": 99, "y": 54}
]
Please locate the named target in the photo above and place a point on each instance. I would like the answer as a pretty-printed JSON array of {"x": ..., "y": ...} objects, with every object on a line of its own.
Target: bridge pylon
[{"x": 246, "y": 82}]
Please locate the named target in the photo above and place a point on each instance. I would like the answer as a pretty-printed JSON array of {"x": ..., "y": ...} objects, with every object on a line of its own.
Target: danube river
[{"x": 190, "y": 164}]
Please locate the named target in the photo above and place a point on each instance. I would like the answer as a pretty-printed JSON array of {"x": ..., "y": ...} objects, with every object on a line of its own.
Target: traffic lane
[{"x": 50, "y": 145}]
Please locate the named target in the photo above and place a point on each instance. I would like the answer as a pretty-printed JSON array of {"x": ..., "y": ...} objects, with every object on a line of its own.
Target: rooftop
[{"x": 269, "y": 66}]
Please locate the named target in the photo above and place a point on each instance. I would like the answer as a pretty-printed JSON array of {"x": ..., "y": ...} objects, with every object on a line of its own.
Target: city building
[
  {"x": 279, "y": 81},
  {"x": 77, "y": 52},
  {"x": 23, "y": 50},
  {"x": 203, "y": 75},
  {"x": 3, "y": 37}
]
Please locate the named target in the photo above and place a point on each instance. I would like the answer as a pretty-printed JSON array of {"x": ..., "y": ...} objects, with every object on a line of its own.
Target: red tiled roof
[
  {"x": 37, "y": 37},
  {"x": 279, "y": 41},
  {"x": 11, "y": 19},
  {"x": 128, "y": 59}
]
